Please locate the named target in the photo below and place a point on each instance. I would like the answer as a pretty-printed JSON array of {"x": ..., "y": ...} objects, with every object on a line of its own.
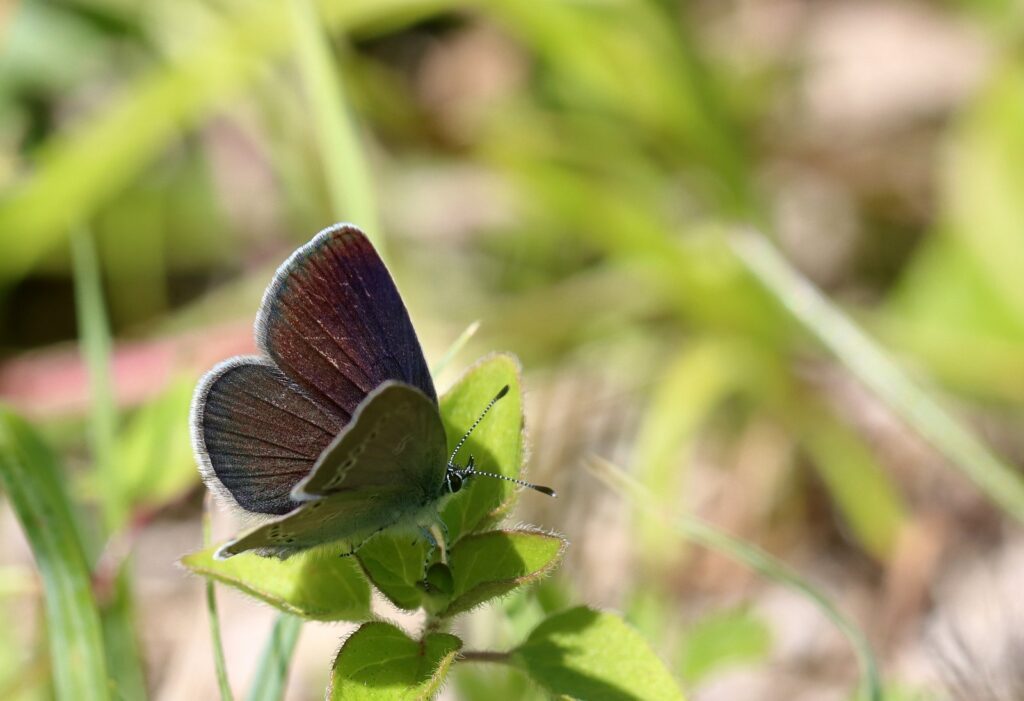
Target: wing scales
[
  {"x": 396, "y": 437},
  {"x": 333, "y": 321},
  {"x": 257, "y": 434}
]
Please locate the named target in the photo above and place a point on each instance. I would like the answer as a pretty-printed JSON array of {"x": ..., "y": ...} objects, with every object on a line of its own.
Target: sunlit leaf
[
  {"x": 497, "y": 443},
  {"x": 721, "y": 640},
  {"x": 153, "y": 450},
  {"x": 588, "y": 654},
  {"x": 864, "y": 494},
  {"x": 488, "y": 565},
  {"x": 313, "y": 584},
  {"x": 150, "y": 114},
  {"x": 394, "y": 564},
  {"x": 381, "y": 663}
]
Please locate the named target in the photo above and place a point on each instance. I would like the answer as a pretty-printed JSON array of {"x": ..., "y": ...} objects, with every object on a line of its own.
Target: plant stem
[
  {"x": 873, "y": 366},
  {"x": 123, "y": 656},
  {"x": 349, "y": 181},
  {"x": 708, "y": 536},
  {"x": 94, "y": 344},
  {"x": 454, "y": 348},
  {"x": 483, "y": 656},
  {"x": 275, "y": 660},
  {"x": 219, "y": 662}
]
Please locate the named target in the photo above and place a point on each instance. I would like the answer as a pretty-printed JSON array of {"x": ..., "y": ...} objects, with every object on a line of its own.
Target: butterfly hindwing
[
  {"x": 386, "y": 467},
  {"x": 344, "y": 520},
  {"x": 395, "y": 438},
  {"x": 333, "y": 321},
  {"x": 256, "y": 434}
]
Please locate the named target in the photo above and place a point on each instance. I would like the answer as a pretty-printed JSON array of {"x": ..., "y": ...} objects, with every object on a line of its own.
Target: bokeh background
[{"x": 571, "y": 174}]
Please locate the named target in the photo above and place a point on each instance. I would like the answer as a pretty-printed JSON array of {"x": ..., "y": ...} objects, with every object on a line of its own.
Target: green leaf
[
  {"x": 349, "y": 178},
  {"x": 864, "y": 494},
  {"x": 686, "y": 392},
  {"x": 723, "y": 639},
  {"x": 312, "y": 584},
  {"x": 124, "y": 661},
  {"x": 394, "y": 561},
  {"x": 587, "y": 654},
  {"x": 381, "y": 662},
  {"x": 33, "y": 481},
  {"x": 488, "y": 565},
  {"x": 983, "y": 175},
  {"x": 497, "y": 443},
  {"x": 95, "y": 344},
  {"x": 154, "y": 452}
]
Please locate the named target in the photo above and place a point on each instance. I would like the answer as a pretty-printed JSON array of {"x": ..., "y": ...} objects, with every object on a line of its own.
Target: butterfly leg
[
  {"x": 444, "y": 547},
  {"x": 355, "y": 548},
  {"x": 437, "y": 536},
  {"x": 432, "y": 546}
]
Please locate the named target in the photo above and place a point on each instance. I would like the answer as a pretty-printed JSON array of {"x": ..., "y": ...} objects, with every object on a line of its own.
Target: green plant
[{"x": 579, "y": 652}]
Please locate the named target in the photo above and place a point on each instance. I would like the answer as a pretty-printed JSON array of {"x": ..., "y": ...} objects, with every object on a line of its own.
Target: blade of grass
[
  {"x": 706, "y": 535},
  {"x": 118, "y": 617},
  {"x": 454, "y": 348},
  {"x": 151, "y": 113},
  {"x": 272, "y": 669},
  {"x": 211, "y": 607},
  {"x": 352, "y": 198},
  {"x": 343, "y": 158},
  {"x": 124, "y": 658},
  {"x": 94, "y": 344},
  {"x": 872, "y": 366},
  {"x": 35, "y": 486}
]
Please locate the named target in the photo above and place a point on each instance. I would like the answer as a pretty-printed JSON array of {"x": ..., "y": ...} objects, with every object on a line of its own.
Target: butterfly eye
[{"x": 453, "y": 481}]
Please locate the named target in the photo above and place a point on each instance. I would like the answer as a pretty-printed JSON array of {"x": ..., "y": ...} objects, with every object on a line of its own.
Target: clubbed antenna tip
[{"x": 522, "y": 483}]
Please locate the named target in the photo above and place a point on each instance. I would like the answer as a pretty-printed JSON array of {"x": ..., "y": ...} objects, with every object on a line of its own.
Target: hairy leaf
[
  {"x": 380, "y": 662},
  {"x": 313, "y": 584},
  {"x": 488, "y": 565},
  {"x": 587, "y": 654}
]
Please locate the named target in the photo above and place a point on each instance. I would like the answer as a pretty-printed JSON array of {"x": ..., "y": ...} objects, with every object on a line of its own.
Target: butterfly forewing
[
  {"x": 257, "y": 434},
  {"x": 334, "y": 322}
]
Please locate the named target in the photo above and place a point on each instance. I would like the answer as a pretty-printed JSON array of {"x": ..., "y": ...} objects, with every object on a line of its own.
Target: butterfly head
[{"x": 456, "y": 477}]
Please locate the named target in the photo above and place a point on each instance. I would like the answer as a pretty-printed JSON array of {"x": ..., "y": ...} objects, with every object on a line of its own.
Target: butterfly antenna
[
  {"x": 522, "y": 483},
  {"x": 499, "y": 395}
]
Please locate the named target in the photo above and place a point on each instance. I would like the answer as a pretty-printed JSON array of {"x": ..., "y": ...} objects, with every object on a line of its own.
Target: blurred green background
[{"x": 574, "y": 175}]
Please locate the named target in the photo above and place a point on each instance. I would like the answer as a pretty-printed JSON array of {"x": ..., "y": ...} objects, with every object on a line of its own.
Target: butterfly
[{"x": 332, "y": 433}]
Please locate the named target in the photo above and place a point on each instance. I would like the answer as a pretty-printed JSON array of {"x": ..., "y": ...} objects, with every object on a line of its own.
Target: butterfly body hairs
[{"x": 333, "y": 433}]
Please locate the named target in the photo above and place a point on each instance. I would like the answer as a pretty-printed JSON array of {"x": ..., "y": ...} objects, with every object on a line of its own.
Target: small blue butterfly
[{"x": 333, "y": 432}]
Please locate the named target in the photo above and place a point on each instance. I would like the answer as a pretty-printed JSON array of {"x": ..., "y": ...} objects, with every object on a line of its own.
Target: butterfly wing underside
[
  {"x": 333, "y": 321},
  {"x": 386, "y": 467},
  {"x": 396, "y": 438},
  {"x": 332, "y": 327},
  {"x": 256, "y": 434}
]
